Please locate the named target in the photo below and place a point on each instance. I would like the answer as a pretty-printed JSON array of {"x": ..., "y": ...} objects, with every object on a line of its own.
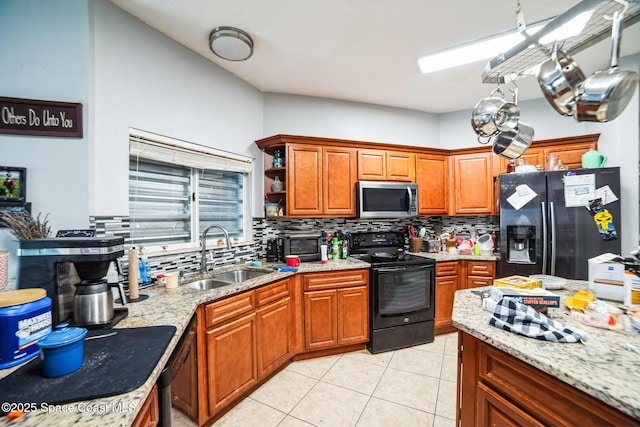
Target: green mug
[{"x": 593, "y": 159}]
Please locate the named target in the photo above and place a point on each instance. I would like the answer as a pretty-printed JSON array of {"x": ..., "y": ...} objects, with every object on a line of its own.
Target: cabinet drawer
[
  {"x": 476, "y": 282},
  {"x": 549, "y": 400},
  {"x": 338, "y": 279},
  {"x": 448, "y": 268},
  {"x": 272, "y": 292},
  {"x": 228, "y": 308},
  {"x": 481, "y": 268}
]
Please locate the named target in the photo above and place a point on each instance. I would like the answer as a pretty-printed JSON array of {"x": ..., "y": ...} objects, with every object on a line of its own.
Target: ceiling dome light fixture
[{"x": 231, "y": 43}]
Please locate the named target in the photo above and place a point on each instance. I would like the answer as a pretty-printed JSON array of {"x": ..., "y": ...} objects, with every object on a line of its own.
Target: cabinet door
[
  {"x": 320, "y": 322},
  {"x": 495, "y": 410},
  {"x": 372, "y": 165},
  {"x": 231, "y": 361},
  {"x": 473, "y": 184},
  {"x": 149, "y": 415},
  {"x": 273, "y": 333},
  {"x": 304, "y": 180},
  {"x": 339, "y": 179},
  {"x": 533, "y": 156},
  {"x": 432, "y": 177},
  {"x": 353, "y": 315},
  {"x": 571, "y": 154},
  {"x": 400, "y": 166},
  {"x": 446, "y": 288}
]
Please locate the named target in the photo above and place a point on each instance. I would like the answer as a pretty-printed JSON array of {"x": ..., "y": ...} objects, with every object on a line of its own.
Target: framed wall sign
[
  {"x": 45, "y": 118},
  {"x": 13, "y": 184}
]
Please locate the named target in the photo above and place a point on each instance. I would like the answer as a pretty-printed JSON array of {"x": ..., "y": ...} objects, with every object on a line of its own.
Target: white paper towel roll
[{"x": 134, "y": 292}]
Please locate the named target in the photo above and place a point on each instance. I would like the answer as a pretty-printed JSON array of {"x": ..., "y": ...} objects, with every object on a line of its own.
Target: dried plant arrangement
[{"x": 24, "y": 226}]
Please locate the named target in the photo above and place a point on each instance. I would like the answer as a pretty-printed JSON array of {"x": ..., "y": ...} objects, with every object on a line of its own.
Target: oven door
[{"x": 402, "y": 295}]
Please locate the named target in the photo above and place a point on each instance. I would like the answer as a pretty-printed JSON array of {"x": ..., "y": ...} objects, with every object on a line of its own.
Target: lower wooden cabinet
[
  {"x": 149, "y": 414},
  {"x": 231, "y": 360},
  {"x": 336, "y": 309},
  {"x": 273, "y": 333},
  {"x": 455, "y": 275},
  {"x": 447, "y": 283},
  {"x": 497, "y": 389}
]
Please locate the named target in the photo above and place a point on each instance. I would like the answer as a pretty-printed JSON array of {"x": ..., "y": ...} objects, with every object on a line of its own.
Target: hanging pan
[
  {"x": 559, "y": 78},
  {"x": 606, "y": 93}
]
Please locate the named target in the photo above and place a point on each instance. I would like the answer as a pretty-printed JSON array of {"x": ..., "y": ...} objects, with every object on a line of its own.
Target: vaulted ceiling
[{"x": 362, "y": 50}]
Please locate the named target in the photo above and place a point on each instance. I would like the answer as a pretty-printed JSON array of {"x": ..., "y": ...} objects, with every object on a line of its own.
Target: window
[{"x": 177, "y": 189}]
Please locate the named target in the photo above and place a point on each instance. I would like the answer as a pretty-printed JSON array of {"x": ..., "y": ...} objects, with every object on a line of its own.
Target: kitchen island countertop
[
  {"x": 163, "y": 307},
  {"x": 607, "y": 367}
]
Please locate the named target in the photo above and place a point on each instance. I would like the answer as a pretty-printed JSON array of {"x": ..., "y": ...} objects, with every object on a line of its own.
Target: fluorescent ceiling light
[{"x": 492, "y": 46}]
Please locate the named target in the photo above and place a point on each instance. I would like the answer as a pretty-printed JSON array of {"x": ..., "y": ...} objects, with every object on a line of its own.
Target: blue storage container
[{"x": 25, "y": 318}]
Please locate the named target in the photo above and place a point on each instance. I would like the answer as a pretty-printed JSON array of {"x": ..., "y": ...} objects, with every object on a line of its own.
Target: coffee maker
[{"x": 69, "y": 268}]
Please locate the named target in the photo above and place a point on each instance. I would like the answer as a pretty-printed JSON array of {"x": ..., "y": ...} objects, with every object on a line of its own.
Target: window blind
[{"x": 167, "y": 150}]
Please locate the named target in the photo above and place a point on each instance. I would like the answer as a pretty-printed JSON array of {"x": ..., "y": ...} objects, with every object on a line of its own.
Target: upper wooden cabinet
[
  {"x": 569, "y": 150},
  {"x": 384, "y": 165},
  {"x": 320, "y": 180},
  {"x": 472, "y": 184},
  {"x": 432, "y": 177},
  {"x": 320, "y": 173}
]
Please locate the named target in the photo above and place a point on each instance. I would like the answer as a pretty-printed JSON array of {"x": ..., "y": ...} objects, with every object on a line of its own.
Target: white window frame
[{"x": 150, "y": 146}]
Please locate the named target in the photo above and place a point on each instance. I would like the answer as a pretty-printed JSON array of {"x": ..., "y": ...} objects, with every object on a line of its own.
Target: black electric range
[{"x": 401, "y": 291}]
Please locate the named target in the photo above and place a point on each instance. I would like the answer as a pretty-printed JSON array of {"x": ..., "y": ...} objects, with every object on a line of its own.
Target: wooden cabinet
[
  {"x": 336, "y": 308},
  {"x": 499, "y": 389},
  {"x": 231, "y": 363},
  {"x": 339, "y": 180},
  {"x": 447, "y": 283},
  {"x": 455, "y": 275},
  {"x": 479, "y": 273},
  {"x": 274, "y": 327},
  {"x": 384, "y": 165},
  {"x": 472, "y": 184},
  {"x": 246, "y": 337},
  {"x": 304, "y": 180},
  {"x": 320, "y": 180},
  {"x": 149, "y": 415},
  {"x": 569, "y": 150},
  {"x": 432, "y": 177}
]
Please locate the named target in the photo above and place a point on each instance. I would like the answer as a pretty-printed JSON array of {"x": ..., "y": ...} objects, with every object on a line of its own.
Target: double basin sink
[{"x": 226, "y": 278}]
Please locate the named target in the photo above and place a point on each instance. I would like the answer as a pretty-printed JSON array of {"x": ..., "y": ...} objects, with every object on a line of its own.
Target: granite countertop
[
  {"x": 606, "y": 367},
  {"x": 448, "y": 256},
  {"x": 163, "y": 307}
]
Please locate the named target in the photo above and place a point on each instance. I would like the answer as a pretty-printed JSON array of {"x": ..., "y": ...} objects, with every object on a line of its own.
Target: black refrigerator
[{"x": 553, "y": 222}]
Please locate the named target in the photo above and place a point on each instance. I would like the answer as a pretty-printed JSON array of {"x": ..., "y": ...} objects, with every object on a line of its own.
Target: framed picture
[
  {"x": 11, "y": 207},
  {"x": 13, "y": 184}
]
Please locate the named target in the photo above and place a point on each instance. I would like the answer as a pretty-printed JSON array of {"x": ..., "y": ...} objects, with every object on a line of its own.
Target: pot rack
[{"x": 520, "y": 59}]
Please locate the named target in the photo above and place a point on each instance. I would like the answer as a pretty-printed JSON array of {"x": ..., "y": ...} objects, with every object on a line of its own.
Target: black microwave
[
  {"x": 377, "y": 199},
  {"x": 305, "y": 245}
]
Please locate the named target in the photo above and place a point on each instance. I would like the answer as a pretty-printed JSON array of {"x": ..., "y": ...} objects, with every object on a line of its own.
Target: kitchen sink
[
  {"x": 235, "y": 276},
  {"x": 205, "y": 284},
  {"x": 226, "y": 278}
]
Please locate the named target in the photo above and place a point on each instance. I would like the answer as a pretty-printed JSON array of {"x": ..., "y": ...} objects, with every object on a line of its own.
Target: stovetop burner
[{"x": 386, "y": 248}]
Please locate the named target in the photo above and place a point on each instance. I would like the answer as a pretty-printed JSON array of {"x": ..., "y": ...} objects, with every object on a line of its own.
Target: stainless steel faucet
[{"x": 203, "y": 245}]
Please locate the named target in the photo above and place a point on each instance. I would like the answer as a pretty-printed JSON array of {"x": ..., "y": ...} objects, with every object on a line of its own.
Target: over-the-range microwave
[{"x": 376, "y": 199}]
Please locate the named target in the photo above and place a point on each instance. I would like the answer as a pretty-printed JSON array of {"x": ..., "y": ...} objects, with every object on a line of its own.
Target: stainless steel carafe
[{"x": 93, "y": 302}]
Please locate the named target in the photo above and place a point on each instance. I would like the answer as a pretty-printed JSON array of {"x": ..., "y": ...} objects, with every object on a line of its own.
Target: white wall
[
  {"x": 619, "y": 140},
  {"x": 143, "y": 79},
  {"x": 44, "y": 52},
  {"x": 330, "y": 118}
]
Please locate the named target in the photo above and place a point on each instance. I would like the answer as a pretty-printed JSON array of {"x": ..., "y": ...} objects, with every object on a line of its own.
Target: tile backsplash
[{"x": 270, "y": 227}]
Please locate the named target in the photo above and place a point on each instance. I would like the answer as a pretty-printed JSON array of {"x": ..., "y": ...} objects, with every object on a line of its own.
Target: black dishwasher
[{"x": 180, "y": 355}]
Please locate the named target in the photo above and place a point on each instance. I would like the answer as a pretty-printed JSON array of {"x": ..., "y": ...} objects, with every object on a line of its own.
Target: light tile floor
[{"x": 414, "y": 386}]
